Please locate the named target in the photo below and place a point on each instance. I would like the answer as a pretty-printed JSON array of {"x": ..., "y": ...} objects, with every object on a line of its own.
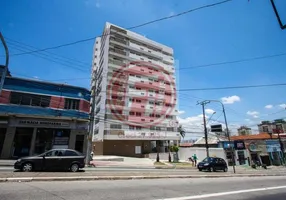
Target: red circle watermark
[{"x": 141, "y": 94}]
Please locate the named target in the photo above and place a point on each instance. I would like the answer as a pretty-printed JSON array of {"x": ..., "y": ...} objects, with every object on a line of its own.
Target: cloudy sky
[{"x": 237, "y": 30}]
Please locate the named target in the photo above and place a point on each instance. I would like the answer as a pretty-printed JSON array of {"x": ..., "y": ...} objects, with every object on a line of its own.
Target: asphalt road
[{"x": 169, "y": 189}]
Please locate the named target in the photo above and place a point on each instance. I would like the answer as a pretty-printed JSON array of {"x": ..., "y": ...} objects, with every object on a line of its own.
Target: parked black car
[
  {"x": 213, "y": 164},
  {"x": 55, "y": 159}
]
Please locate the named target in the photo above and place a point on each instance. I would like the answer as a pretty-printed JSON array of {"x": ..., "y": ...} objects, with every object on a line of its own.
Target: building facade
[
  {"x": 244, "y": 130},
  {"x": 272, "y": 127},
  {"x": 36, "y": 116},
  {"x": 134, "y": 94}
]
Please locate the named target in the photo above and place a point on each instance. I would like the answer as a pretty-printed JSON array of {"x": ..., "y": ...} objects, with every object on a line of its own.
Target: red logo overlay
[{"x": 141, "y": 94}]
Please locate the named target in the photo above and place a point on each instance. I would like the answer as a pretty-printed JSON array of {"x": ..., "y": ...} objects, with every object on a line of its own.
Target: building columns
[
  {"x": 33, "y": 141},
  {"x": 8, "y": 143}
]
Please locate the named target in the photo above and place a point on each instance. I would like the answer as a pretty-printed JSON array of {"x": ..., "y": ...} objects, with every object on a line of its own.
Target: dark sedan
[
  {"x": 213, "y": 164},
  {"x": 55, "y": 159}
]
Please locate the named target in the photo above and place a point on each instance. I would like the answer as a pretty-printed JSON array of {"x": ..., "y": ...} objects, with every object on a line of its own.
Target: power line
[
  {"x": 234, "y": 61},
  {"x": 130, "y": 28},
  {"x": 234, "y": 87},
  {"x": 32, "y": 47},
  {"x": 46, "y": 57}
]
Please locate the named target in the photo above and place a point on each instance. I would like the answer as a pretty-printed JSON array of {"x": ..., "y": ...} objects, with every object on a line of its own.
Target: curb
[{"x": 98, "y": 178}]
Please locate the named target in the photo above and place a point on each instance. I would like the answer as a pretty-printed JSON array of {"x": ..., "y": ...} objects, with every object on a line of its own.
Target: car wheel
[
  {"x": 74, "y": 167},
  {"x": 200, "y": 170},
  {"x": 225, "y": 169},
  {"x": 27, "y": 167},
  {"x": 212, "y": 169}
]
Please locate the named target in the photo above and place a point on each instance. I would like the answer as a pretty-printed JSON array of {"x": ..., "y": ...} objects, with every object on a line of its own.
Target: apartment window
[
  {"x": 115, "y": 126},
  {"x": 158, "y": 128},
  {"x": 131, "y": 87},
  {"x": 131, "y": 127},
  {"x": 152, "y": 115},
  {"x": 71, "y": 104},
  {"x": 170, "y": 129},
  {"x": 152, "y": 128},
  {"x": 138, "y": 114},
  {"x": 138, "y": 127},
  {"x": 138, "y": 76},
  {"x": 29, "y": 99},
  {"x": 265, "y": 129},
  {"x": 151, "y": 102},
  {"x": 137, "y": 100},
  {"x": 131, "y": 100},
  {"x": 131, "y": 113},
  {"x": 138, "y": 88},
  {"x": 158, "y": 116}
]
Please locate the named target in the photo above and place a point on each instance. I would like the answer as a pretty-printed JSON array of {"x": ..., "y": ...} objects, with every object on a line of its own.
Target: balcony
[{"x": 114, "y": 39}]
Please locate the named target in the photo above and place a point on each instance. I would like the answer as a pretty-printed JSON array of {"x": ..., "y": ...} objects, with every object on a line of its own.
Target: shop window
[
  {"x": 71, "y": 104},
  {"x": 29, "y": 99},
  {"x": 115, "y": 126}
]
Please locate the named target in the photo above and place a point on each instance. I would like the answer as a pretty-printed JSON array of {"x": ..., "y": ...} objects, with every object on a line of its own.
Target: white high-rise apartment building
[{"x": 133, "y": 83}]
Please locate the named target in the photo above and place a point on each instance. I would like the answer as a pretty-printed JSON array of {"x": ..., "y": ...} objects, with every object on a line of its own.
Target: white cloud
[
  {"x": 35, "y": 77},
  {"x": 230, "y": 99},
  {"x": 171, "y": 13},
  {"x": 269, "y": 106},
  {"x": 209, "y": 111},
  {"x": 254, "y": 114},
  {"x": 181, "y": 112},
  {"x": 97, "y": 5},
  {"x": 283, "y": 105}
]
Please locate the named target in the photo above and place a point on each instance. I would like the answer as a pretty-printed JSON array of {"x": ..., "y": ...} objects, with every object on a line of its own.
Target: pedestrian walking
[{"x": 195, "y": 158}]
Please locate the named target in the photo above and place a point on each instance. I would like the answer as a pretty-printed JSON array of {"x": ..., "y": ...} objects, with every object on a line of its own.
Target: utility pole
[
  {"x": 91, "y": 123},
  {"x": 203, "y": 103},
  {"x": 3, "y": 76}
]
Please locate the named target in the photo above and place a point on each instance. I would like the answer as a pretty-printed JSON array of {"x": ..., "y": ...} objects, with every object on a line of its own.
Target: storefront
[
  {"x": 240, "y": 153},
  {"x": 30, "y": 136},
  {"x": 274, "y": 151}
]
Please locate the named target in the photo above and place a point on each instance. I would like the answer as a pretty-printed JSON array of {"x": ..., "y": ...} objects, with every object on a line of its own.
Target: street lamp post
[{"x": 227, "y": 130}]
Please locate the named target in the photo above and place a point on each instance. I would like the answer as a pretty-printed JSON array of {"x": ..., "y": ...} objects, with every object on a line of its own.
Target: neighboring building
[
  {"x": 213, "y": 141},
  {"x": 244, "y": 130},
  {"x": 134, "y": 87},
  {"x": 36, "y": 116},
  {"x": 261, "y": 148},
  {"x": 272, "y": 127}
]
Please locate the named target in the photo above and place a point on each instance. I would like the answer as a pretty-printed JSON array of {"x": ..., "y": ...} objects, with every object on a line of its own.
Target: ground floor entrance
[{"x": 32, "y": 137}]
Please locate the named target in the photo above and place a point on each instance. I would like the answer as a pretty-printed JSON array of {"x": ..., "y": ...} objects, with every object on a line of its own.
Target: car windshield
[{"x": 208, "y": 160}]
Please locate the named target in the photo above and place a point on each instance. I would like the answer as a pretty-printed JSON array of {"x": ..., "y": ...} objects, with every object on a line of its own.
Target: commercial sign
[
  {"x": 43, "y": 123},
  {"x": 216, "y": 128},
  {"x": 239, "y": 145},
  {"x": 142, "y": 135},
  {"x": 272, "y": 146}
]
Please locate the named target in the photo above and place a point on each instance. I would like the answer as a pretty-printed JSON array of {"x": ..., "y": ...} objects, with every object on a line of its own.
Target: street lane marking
[{"x": 225, "y": 193}]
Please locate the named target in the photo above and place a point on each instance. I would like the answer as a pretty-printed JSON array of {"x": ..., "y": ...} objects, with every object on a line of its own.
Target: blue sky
[{"x": 239, "y": 29}]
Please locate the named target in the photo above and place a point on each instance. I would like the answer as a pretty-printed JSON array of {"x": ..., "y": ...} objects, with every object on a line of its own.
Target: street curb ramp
[{"x": 97, "y": 178}]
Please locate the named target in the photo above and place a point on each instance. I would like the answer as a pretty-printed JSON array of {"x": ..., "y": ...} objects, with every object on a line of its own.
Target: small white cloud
[
  {"x": 230, "y": 99},
  {"x": 254, "y": 114},
  {"x": 35, "y": 77},
  {"x": 209, "y": 111},
  {"x": 171, "y": 13},
  {"x": 269, "y": 106},
  {"x": 283, "y": 105},
  {"x": 97, "y": 4},
  {"x": 181, "y": 112}
]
